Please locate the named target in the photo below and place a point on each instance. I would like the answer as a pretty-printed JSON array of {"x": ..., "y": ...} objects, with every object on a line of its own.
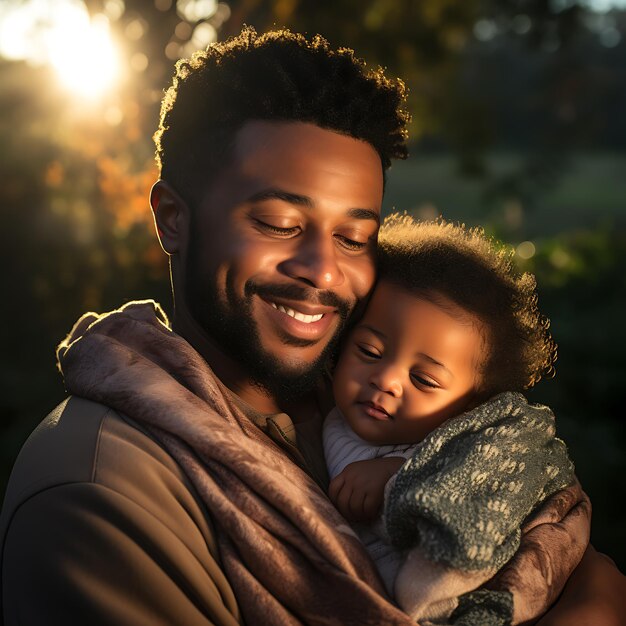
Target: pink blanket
[{"x": 288, "y": 554}]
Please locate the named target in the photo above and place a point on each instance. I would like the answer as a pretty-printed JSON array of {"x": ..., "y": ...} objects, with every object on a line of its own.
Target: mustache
[{"x": 267, "y": 291}]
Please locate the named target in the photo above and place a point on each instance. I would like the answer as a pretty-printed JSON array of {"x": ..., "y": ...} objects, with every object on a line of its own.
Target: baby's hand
[{"x": 358, "y": 491}]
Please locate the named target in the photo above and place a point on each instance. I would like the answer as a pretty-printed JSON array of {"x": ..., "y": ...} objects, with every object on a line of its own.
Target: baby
[{"x": 429, "y": 418}]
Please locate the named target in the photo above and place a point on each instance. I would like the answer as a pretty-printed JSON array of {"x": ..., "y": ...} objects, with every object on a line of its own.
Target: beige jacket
[
  {"x": 83, "y": 463},
  {"x": 88, "y": 483}
]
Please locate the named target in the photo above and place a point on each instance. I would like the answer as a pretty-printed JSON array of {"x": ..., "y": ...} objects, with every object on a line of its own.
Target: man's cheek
[{"x": 362, "y": 278}]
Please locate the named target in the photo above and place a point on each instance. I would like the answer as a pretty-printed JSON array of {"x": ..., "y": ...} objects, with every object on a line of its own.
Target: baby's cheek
[{"x": 346, "y": 381}]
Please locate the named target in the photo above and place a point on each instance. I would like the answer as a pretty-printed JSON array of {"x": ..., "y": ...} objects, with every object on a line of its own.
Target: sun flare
[
  {"x": 84, "y": 56},
  {"x": 78, "y": 46}
]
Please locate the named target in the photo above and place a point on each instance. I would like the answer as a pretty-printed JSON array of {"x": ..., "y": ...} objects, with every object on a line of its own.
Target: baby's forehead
[
  {"x": 390, "y": 293},
  {"x": 400, "y": 314}
]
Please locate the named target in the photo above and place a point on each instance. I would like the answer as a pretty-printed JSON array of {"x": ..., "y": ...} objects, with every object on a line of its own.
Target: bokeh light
[
  {"x": 526, "y": 250},
  {"x": 63, "y": 35},
  {"x": 196, "y": 10}
]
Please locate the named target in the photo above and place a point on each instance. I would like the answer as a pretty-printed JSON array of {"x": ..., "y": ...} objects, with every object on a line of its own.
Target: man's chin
[
  {"x": 287, "y": 379},
  {"x": 284, "y": 366}
]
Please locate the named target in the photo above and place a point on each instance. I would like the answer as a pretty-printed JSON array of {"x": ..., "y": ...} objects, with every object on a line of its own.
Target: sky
[{"x": 604, "y": 5}]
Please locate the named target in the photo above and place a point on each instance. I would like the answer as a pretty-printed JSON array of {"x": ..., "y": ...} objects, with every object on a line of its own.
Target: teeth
[{"x": 301, "y": 317}]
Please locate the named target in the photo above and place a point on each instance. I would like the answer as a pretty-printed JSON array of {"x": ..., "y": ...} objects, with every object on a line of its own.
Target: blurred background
[{"x": 519, "y": 124}]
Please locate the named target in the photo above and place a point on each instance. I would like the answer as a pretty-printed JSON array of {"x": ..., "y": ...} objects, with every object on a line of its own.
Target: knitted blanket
[
  {"x": 457, "y": 505},
  {"x": 288, "y": 554}
]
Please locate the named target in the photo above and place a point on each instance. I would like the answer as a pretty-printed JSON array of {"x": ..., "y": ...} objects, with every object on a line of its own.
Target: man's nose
[
  {"x": 315, "y": 261},
  {"x": 386, "y": 378}
]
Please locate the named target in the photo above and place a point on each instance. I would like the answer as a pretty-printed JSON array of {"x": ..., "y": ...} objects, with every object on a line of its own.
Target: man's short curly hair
[
  {"x": 279, "y": 76},
  {"x": 438, "y": 258}
]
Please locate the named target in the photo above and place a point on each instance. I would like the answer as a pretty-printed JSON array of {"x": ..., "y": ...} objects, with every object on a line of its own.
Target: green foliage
[{"x": 584, "y": 290}]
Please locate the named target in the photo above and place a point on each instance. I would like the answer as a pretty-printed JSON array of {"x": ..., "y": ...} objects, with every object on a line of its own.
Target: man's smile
[
  {"x": 307, "y": 319},
  {"x": 301, "y": 320}
]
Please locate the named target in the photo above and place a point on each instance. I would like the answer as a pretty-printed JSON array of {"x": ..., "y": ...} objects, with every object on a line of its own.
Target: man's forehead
[
  {"x": 299, "y": 165},
  {"x": 263, "y": 140}
]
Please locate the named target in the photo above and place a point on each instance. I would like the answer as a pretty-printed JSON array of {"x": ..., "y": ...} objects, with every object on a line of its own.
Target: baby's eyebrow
[
  {"x": 378, "y": 333},
  {"x": 430, "y": 359}
]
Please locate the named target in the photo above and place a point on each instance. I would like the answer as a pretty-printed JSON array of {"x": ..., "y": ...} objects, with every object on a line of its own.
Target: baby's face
[{"x": 408, "y": 366}]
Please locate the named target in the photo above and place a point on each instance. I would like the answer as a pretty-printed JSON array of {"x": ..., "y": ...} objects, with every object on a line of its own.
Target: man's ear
[{"x": 171, "y": 216}]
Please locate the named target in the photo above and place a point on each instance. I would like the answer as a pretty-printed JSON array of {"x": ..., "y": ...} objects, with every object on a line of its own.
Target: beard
[{"x": 228, "y": 320}]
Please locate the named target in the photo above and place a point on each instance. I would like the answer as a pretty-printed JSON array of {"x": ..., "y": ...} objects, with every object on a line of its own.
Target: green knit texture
[
  {"x": 468, "y": 486},
  {"x": 483, "y": 608}
]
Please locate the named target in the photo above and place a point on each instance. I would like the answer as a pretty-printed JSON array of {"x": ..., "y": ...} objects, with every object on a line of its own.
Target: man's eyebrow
[
  {"x": 299, "y": 200},
  {"x": 280, "y": 194},
  {"x": 364, "y": 214}
]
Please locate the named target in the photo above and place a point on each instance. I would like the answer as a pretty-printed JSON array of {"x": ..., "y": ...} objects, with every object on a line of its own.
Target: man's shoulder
[
  {"x": 96, "y": 508},
  {"x": 85, "y": 442},
  {"x": 74, "y": 443}
]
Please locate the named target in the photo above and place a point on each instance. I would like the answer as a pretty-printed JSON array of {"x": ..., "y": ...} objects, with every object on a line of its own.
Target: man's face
[{"x": 282, "y": 248}]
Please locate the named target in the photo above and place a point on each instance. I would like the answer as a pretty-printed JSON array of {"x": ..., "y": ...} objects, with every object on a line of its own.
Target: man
[{"x": 173, "y": 488}]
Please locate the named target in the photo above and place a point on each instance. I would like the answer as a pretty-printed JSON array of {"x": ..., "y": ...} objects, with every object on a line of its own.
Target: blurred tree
[
  {"x": 536, "y": 75},
  {"x": 541, "y": 78}
]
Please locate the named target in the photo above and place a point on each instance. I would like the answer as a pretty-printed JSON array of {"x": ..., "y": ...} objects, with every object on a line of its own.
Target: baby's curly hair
[
  {"x": 463, "y": 265},
  {"x": 279, "y": 75}
]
